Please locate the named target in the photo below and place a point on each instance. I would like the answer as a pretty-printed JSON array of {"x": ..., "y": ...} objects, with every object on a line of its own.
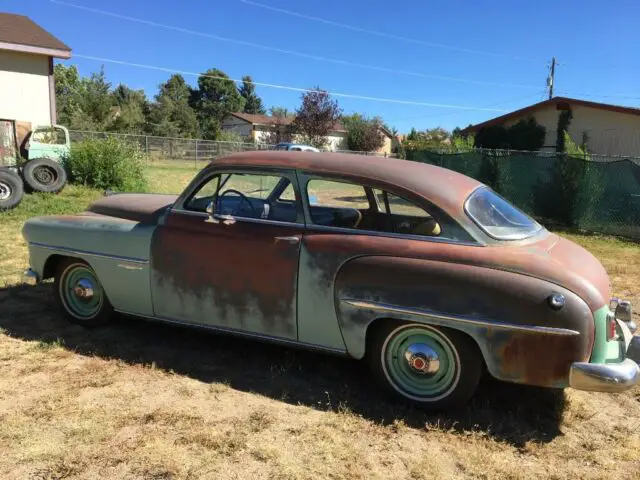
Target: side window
[
  {"x": 288, "y": 195},
  {"x": 203, "y": 195},
  {"x": 395, "y": 205},
  {"x": 243, "y": 195},
  {"x": 347, "y": 205},
  {"x": 336, "y": 204},
  {"x": 406, "y": 217},
  {"x": 49, "y": 136}
]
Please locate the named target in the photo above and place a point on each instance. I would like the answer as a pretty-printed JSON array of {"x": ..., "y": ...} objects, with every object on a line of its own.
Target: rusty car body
[{"x": 426, "y": 273}]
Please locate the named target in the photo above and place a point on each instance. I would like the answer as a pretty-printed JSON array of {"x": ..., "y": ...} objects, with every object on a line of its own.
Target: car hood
[{"x": 138, "y": 207}]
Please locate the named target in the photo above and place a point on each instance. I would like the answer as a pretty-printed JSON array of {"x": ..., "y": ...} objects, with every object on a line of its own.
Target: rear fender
[{"x": 522, "y": 339}]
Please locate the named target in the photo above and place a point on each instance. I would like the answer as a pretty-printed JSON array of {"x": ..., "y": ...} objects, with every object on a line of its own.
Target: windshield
[{"x": 498, "y": 218}]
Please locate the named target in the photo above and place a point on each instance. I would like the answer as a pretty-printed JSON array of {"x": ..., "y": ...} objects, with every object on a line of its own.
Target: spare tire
[
  {"x": 11, "y": 189},
  {"x": 44, "y": 175}
]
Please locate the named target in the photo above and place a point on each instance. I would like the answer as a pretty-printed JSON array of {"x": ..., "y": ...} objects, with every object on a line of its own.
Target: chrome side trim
[
  {"x": 604, "y": 377},
  {"x": 240, "y": 333},
  {"x": 382, "y": 307},
  {"x": 140, "y": 261},
  {"x": 240, "y": 219}
]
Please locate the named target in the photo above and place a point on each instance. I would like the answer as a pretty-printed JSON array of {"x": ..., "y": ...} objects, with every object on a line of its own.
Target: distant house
[
  {"x": 27, "y": 89},
  {"x": 606, "y": 129},
  {"x": 256, "y": 128}
]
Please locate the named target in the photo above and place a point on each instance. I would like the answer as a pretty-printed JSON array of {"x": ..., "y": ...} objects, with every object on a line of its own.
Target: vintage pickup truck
[{"x": 427, "y": 274}]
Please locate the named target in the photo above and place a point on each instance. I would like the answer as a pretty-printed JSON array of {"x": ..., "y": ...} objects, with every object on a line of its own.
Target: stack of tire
[{"x": 37, "y": 175}]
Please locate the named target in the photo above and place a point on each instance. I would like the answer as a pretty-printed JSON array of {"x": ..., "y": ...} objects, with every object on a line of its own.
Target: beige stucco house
[
  {"x": 27, "y": 89},
  {"x": 608, "y": 129},
  {"x": 256, "y": 128}
]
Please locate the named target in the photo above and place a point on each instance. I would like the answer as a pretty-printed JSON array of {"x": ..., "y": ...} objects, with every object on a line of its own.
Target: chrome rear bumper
[{"x": 603, "y": 377}]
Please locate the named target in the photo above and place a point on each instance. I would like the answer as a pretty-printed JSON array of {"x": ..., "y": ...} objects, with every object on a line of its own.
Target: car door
[{"x": 238, "y": 268}]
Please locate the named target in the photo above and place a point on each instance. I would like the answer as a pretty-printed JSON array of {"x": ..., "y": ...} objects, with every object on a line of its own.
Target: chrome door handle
[
  {"x": 291, "y": 239},
  {"x": 225, "y": 219}
]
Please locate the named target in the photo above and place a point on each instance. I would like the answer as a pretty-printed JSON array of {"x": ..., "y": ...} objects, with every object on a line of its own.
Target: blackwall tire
[
  {"x": 11, "y": 190},
  {"x": 44, "y": 175}
]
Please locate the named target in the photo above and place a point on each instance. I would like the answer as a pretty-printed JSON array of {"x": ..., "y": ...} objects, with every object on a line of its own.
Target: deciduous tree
[
  {"x": 316, "y": 117},
  {"x": 363, "y": 134}
]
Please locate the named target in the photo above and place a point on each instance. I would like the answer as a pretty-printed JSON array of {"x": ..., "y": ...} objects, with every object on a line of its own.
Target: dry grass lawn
[{"x": 143, "y": 400}]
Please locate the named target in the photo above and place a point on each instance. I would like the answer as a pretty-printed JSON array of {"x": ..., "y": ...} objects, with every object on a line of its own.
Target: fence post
[
  {"x": 196, "y": 154},
  {"x": 146, "y": 146}
]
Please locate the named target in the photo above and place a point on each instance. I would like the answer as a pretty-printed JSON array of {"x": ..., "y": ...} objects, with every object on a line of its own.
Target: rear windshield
[{"x": 498, "y": 218}]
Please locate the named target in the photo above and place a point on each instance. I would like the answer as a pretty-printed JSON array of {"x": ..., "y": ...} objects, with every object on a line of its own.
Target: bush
[{"x": 108, "y": 164}]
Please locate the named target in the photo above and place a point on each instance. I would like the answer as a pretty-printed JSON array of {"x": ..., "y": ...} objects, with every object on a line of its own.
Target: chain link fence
[
  {"x": 597, "y": 194},
  {"x": 185, "y": 149}
]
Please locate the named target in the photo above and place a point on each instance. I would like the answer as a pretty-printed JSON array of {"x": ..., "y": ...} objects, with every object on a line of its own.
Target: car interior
[{"x": 375, "y": 210}]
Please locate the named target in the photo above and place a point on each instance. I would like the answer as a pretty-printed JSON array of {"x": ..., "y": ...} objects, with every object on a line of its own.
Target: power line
[
  {"x": 286, "y": 87},
  {"x": 502, "y": 102},
  {"x": 386, "y": 35},
  {"x": 290, "y": 52}
]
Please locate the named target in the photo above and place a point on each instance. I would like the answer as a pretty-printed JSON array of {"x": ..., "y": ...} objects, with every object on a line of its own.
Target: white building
[{"x": 27, "y": 89}]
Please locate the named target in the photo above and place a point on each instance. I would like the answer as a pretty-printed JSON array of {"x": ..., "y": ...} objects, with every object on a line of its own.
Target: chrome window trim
[
  {"x": 483, "y": 228},
  {"x": 239, "y": 333},
  {"x": 388, "y": 308},
  {"x": 140, "y": 261},
  {"x": 242, "y": 219},
  {"x": 404, "y": 236}
]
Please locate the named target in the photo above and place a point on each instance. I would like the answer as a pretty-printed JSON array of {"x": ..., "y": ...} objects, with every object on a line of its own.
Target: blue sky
[{"x": 504, "y": 46}]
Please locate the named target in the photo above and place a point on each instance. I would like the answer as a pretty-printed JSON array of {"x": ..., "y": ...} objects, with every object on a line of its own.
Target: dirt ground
[{"x": 142, "y": 400}]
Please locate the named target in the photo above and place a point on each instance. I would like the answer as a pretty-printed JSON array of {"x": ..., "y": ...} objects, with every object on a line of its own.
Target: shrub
[{"x": 107, "y": 163}]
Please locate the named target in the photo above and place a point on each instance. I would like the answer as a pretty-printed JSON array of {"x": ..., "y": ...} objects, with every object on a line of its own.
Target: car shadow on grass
[{"x": 511, "y": 413}]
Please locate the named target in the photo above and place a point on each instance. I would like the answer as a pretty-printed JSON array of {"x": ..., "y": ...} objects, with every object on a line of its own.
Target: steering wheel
[{"x": 243, "y": 197}]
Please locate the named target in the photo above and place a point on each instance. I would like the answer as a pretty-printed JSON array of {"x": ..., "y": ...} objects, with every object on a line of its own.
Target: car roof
[{"x": 443, "y": 187}]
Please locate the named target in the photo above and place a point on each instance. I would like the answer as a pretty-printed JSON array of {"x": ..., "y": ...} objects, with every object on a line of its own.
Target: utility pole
[{"x": 551, "y": 77}]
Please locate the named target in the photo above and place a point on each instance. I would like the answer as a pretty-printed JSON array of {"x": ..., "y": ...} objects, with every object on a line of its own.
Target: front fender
[
  {"x": 522, "y": 339},
  {"x": 117, "y": 250}
]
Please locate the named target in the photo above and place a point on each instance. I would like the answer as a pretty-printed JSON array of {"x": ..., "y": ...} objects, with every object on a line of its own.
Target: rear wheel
[
  {"x": 11, "y": 190},
  {"x": 429, "y": 366},
  {"x": 44, "y": 175},
  {"x": 80, "y": 294}
]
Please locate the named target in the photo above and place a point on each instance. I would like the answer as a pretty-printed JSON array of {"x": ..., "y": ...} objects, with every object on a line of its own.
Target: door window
[
  {"x": 244, "y": 195},
  {"x": 49, "y": 136},
  {"x": 350, "y": 205}
]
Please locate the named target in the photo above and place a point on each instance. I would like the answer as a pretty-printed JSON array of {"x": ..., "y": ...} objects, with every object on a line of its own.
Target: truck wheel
[
  {"x": 80, "y": 295},
  {"x": 11, "y": 190},
  {"x": 431, "y": 367},
  {"x": 44, "y": 175}
]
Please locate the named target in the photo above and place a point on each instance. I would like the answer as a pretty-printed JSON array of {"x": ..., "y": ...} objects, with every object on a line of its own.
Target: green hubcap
[
  {"x": 421, "y": 363},
  {"x": 81, "y": 292}
]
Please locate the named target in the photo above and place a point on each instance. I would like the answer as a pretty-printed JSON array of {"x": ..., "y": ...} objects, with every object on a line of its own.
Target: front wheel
[
  {"x": 80, "y": 294},
  {"x": 429, "y": 366}
]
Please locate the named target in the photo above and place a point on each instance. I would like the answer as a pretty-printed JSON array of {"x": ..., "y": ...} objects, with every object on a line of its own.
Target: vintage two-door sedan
[{"x": 427, "y": 274}]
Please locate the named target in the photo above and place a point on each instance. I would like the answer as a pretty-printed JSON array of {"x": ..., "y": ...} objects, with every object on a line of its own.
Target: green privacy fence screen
[{"x": 598, "y": 194}]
